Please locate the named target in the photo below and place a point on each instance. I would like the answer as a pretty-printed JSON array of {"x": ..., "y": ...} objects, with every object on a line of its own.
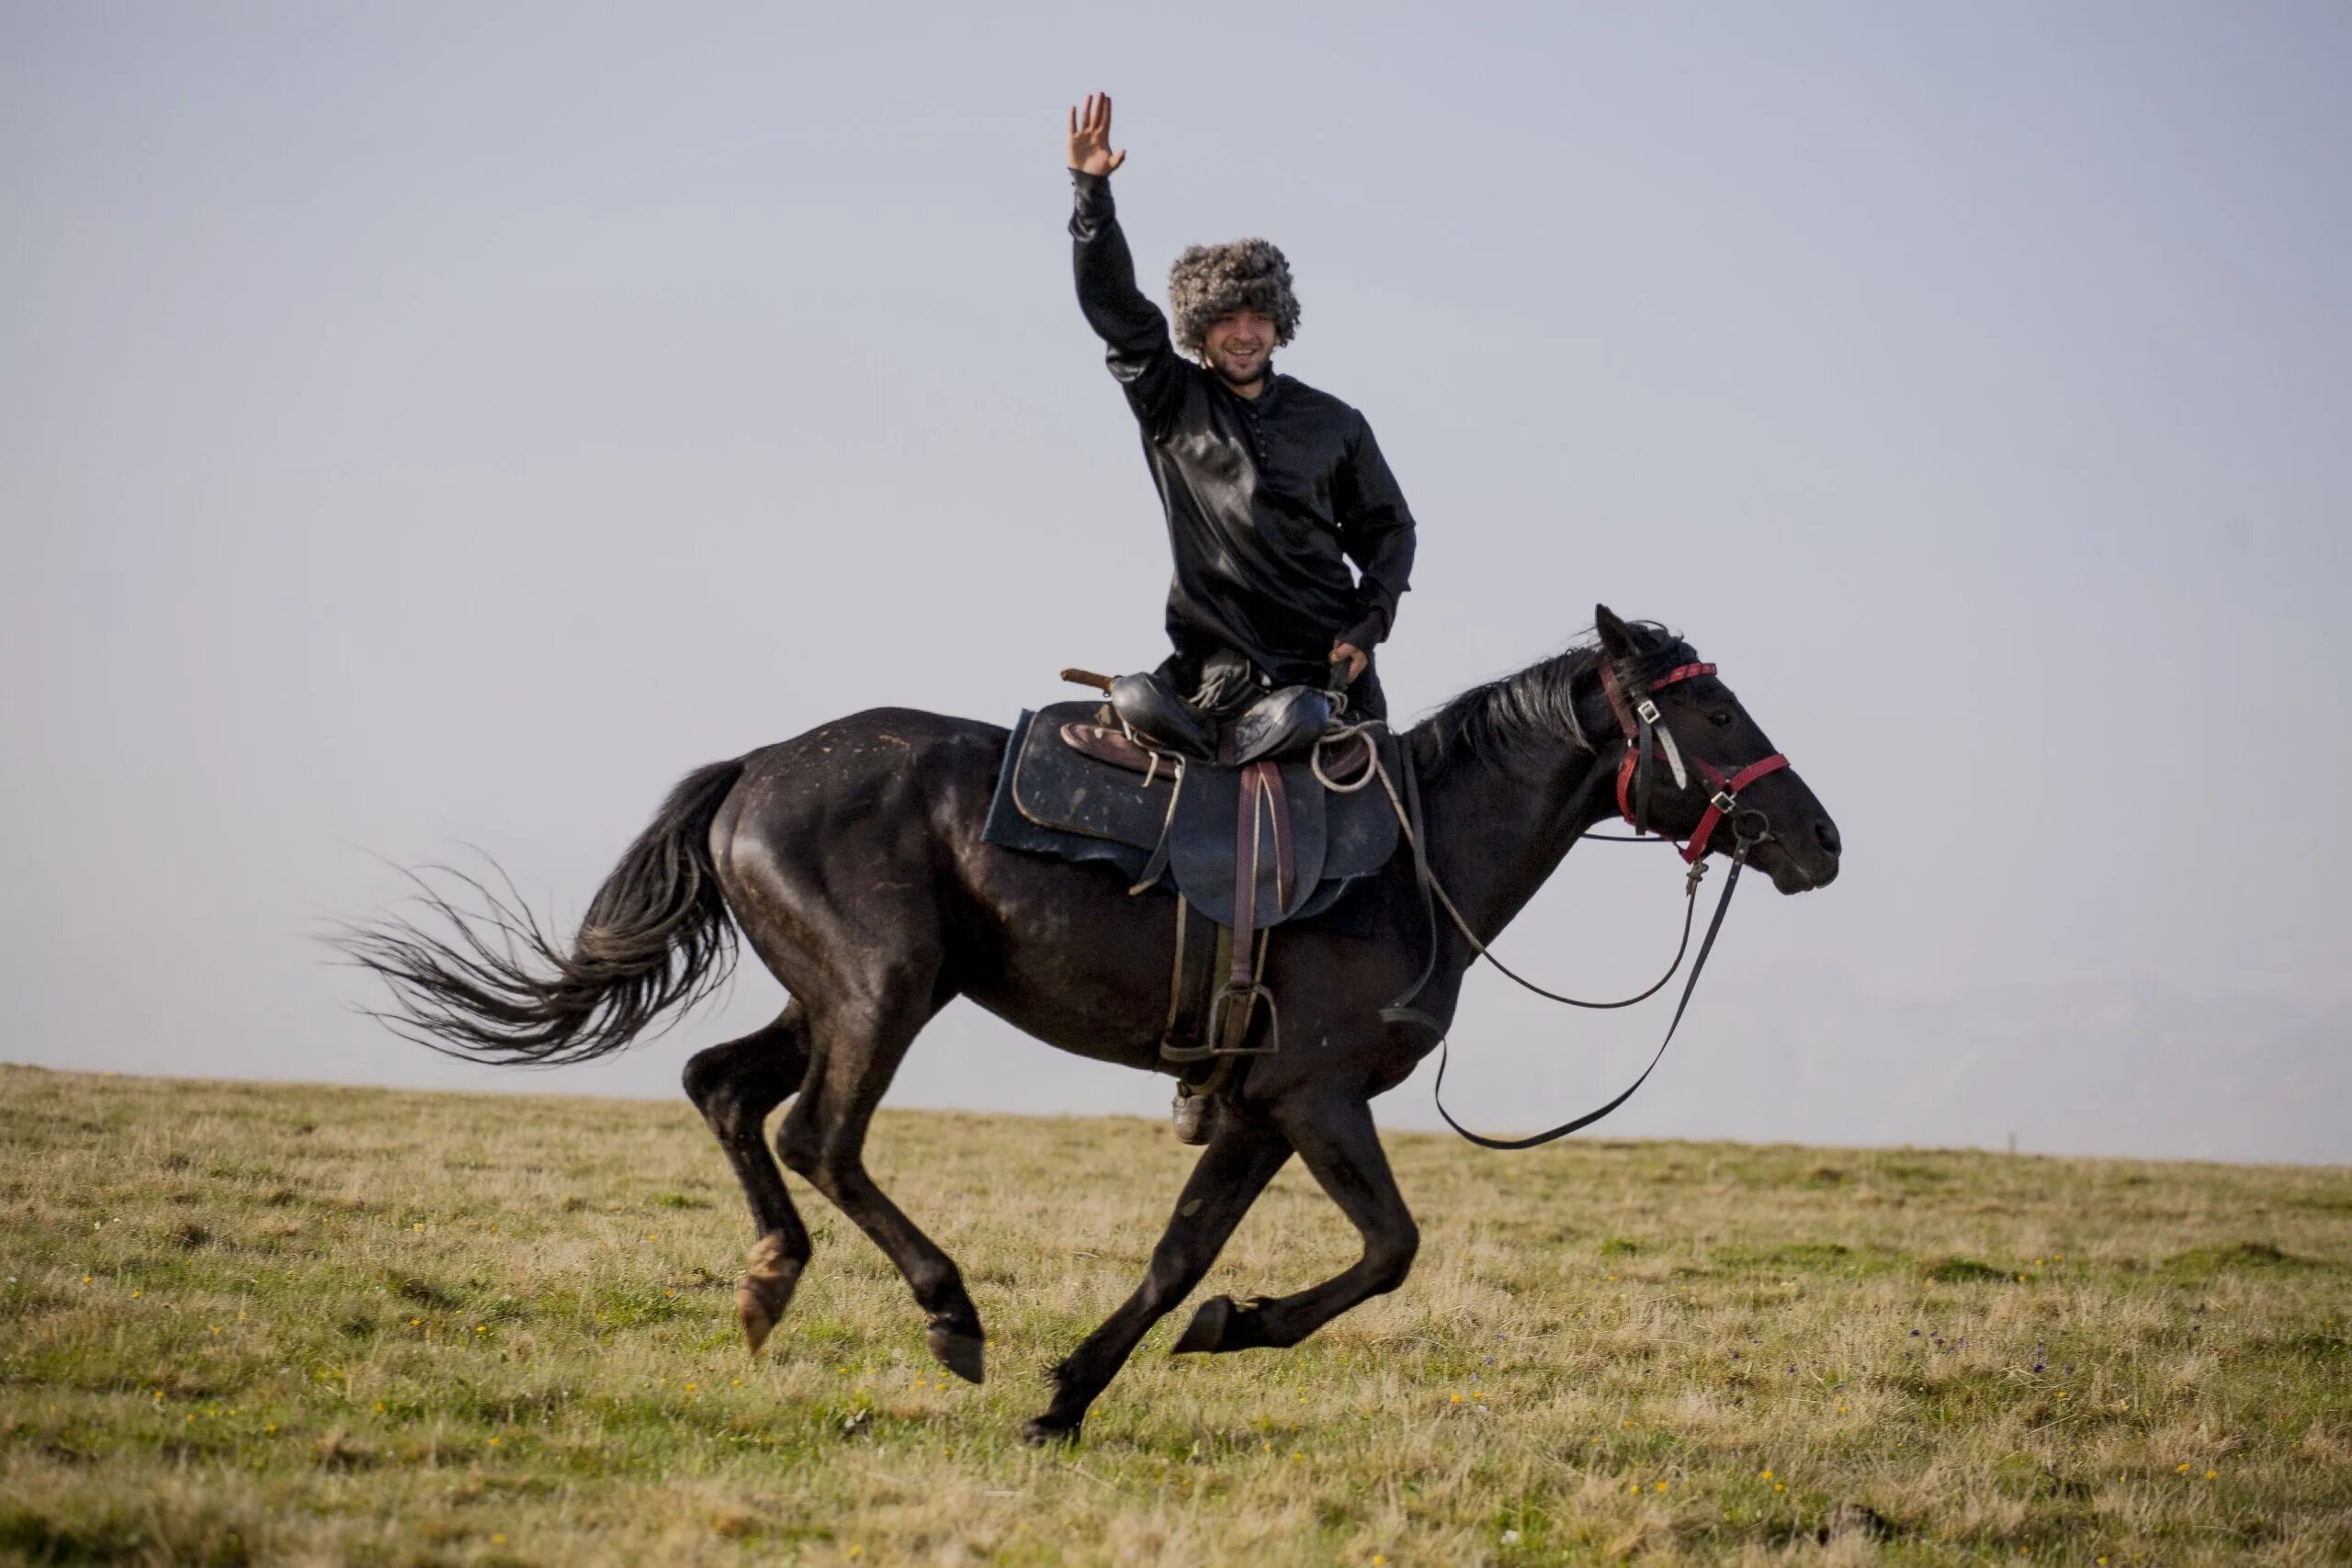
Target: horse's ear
[{"x": 1616, "y": 637}]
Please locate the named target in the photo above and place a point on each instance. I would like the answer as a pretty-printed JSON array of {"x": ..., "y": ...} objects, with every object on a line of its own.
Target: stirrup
[{"x": 1247, "y": 997}]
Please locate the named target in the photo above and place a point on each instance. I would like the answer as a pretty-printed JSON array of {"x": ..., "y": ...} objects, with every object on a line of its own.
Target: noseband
[{"x": 1646, "y": 734}]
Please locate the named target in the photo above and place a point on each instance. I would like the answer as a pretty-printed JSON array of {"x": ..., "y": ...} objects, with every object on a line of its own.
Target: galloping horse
[{"x": 850, "y": 858}]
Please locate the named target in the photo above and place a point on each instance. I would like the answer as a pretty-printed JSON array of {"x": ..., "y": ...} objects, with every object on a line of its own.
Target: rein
[{"x": 1644, "y": 726}]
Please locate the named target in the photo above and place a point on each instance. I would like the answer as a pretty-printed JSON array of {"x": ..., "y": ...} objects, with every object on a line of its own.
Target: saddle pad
[
  {"x": 1053, "y": 800},
  {"x": 1007, "y": 828}
]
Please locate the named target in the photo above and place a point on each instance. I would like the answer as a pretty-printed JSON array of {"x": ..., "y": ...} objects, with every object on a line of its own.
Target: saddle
[{"x": 1244, "y": 848}]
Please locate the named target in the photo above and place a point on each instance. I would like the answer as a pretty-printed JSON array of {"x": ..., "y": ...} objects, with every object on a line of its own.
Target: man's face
[{"x": 1239, "y": 346}]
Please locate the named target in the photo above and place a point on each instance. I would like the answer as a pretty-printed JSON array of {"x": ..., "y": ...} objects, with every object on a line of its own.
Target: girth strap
[
  {"x": 1245, "y": 871},
  {"x": 1261, "y": 804}
]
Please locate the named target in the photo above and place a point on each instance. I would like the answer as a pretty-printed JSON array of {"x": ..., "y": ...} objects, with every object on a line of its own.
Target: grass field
[{"x": 268, "y": 1323}]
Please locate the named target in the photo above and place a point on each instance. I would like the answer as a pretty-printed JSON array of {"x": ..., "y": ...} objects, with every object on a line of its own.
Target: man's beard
[{"x": 1265, "y": 369}]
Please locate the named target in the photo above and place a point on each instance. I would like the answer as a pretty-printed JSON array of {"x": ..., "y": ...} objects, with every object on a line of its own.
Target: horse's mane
[{"x": 1531, "y": 710}]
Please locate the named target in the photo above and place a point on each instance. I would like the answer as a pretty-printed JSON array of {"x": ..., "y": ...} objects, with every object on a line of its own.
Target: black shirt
[{"x": 1269, "y": 498}]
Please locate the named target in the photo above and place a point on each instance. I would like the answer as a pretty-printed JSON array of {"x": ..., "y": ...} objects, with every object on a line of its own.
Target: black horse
[{"x": 851, "y": 858}]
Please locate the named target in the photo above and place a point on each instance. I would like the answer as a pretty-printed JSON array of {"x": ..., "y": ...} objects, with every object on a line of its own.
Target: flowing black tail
[{"x": 656, "y": 938}]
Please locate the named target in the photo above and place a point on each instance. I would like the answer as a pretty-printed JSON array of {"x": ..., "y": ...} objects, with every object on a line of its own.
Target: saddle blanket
[{"x": 1052, "y": 799}]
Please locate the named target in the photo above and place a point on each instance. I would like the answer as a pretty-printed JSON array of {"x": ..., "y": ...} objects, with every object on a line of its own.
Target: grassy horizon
[{"x": 287, "y": 1322}]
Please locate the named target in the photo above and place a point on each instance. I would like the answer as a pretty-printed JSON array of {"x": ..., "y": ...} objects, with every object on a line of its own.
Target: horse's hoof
[
  {"x": 1043, "y": 1431},
  {"x": 758, "y": 1323},
  {"x": 765, "y": 1289},
  {"x": 1206, "y": 1331},
  {"x": 963, "y": 1354}
]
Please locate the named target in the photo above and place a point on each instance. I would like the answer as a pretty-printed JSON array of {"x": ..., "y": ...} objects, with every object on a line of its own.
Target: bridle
[
  {"x": 1633, "y": 702},
  {"x": 1637, "y": 715}
]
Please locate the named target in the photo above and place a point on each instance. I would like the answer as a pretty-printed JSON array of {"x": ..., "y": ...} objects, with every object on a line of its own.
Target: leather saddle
[{"x": 1076, "y": 786}]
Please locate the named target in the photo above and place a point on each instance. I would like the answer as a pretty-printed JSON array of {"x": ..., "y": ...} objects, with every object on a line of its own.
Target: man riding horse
[
  {"x": 855, "y": 860},
  {"x": 1272, "y": 488}
]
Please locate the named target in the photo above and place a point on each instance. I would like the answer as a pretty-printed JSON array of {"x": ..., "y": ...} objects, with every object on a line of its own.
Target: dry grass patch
[{"x": 291, "y": 1324}]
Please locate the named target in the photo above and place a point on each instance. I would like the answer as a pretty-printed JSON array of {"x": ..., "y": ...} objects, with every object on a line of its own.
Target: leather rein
[{"x": 1645, "y": 739}]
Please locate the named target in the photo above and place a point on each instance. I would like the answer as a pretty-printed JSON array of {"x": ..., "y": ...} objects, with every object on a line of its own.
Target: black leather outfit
[{"x": 1269, "y": 498}]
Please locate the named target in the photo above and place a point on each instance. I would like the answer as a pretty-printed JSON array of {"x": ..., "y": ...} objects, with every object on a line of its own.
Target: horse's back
[{"x": 870, "y": 777}]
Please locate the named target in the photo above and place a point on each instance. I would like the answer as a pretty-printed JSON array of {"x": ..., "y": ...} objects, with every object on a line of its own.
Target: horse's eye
[{"x": 1720, "y": 718}]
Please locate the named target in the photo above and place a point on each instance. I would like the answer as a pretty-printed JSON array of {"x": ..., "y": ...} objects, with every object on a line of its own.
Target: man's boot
[{"x": 1192, "y": 1117}]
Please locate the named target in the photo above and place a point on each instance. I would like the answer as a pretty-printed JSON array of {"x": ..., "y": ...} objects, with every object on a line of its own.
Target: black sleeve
[
  {"x": 1376, "y": 532},
  {"x": 1140, "y": 353}
]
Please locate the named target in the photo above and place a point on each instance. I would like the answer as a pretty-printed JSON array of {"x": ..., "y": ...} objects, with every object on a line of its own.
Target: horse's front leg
[
  {"x": 1335, "y": 1136},
  {"x": 1241, "y": 1158}
]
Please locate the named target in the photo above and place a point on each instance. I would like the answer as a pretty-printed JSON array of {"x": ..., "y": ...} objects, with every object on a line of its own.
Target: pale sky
[{"x": 422, "y": 427}]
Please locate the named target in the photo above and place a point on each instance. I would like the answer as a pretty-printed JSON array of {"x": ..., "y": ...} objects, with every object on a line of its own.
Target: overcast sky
[{"x": 425, "y": 425}]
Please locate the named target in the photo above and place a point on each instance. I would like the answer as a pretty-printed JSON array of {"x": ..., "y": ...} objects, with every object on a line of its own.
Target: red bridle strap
[
  {"x": 1726, "y": 800},
  {"x": 1631, "y": 717}
]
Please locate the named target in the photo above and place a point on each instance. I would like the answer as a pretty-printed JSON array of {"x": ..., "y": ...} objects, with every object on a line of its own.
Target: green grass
[{"x": 248, "y": 1323}]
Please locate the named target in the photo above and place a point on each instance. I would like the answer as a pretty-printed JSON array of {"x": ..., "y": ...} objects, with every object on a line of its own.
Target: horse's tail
[{"x": 657, "y": 938}]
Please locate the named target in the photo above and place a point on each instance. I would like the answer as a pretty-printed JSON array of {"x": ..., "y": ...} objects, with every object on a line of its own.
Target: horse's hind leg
[
  {"x": 735, "y": 1085},
  {"x": 1337, "y": 1139},
  {"x": 857, "y": 1046}
]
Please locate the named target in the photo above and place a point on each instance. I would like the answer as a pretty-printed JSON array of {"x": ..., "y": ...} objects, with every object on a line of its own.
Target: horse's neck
[{"x": 1498, "y": 828}]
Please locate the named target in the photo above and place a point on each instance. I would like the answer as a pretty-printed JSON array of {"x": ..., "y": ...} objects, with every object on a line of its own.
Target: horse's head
[{"x": 1698, "y": 768}]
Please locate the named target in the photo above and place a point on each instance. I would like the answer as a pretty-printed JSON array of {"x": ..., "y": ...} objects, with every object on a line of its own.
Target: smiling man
[{"x": 1272, "y": 488}]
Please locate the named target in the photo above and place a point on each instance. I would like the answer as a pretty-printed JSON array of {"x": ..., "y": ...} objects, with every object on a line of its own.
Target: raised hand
[{"x": 1089, "y": 137}]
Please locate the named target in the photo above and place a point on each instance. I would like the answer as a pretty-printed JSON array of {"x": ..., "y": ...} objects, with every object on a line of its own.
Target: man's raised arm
[{"x": 1141, "y": 353}]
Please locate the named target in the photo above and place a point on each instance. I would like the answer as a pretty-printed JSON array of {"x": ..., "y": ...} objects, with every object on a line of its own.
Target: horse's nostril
[{"x": 1827, "y": 832}]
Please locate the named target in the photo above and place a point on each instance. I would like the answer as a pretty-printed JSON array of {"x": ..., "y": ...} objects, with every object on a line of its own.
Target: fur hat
[{"x": 1209, "y": 281}]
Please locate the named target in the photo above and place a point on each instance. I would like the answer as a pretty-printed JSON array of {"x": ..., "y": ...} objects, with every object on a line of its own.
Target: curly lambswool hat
[{"x": 1209, "y": 281}]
